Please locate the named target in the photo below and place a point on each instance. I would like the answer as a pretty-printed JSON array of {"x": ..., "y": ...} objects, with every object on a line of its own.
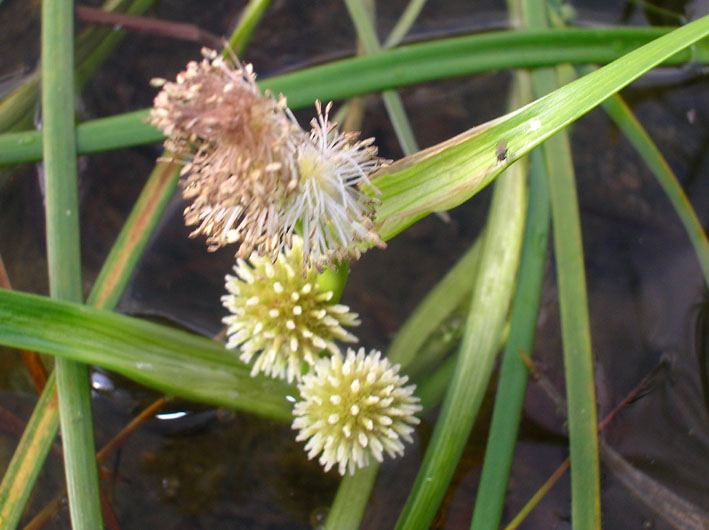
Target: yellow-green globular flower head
[
  {"x": 354, "y": 406},
  {"x": 282, "y": 317}
]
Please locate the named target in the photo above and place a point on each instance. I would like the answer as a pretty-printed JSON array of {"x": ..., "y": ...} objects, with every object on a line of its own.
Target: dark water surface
[{"x": 194, "y": 467}]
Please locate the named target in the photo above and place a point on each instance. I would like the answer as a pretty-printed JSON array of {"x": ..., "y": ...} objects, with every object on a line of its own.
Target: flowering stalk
[
  {"x": 237, "y": 147},
  {"x": 281, "y": 317},
  {"x": 255, "y": 177},
  {"x": 335, "y": 215},
  {"x": 352, "y": 407}
]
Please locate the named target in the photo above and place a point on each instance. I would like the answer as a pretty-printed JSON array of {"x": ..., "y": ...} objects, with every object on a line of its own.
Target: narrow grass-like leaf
[
  {"x": 170, "y": 360},
  {"x": 439, "y": 303},
  {"x": 28, "y": 458},
  {"x": 21, "y": 476},
  {"x": 361, "y": 75},
  {"x": 92, "y": 47},
  {"x": 494, "y": 286},
  {"x": 250, "y": 18},
  {"x": 106, "y": 292},
  {"x": 392, "y": 100},
  {"x": 406, "y": 20},
  {"x": 499, "y": 452},
  {"x": 502, "y": 438},
  {"x": 573, "y": 301},
  {"x": 444, "y": 176},
  {"x": 439, "y": 59},
  {"x": 126, "y": 251},
  {"x": 575, "y": 330},
  {"x": 64, "y": 257},
  {"x": 648, "y": 151}
]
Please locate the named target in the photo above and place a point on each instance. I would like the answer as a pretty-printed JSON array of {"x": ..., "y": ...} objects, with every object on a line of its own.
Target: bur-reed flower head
[
  {"x": 282, "y": 317},
  {"x": 335, "y": 215},
  {"x": 352, "y": 407},
  {"x": 237, "y": 146}
]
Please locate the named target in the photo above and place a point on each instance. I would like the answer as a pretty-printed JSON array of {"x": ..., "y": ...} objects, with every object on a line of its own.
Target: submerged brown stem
[
  {"x": 672, "y": 508},
  {"x": 164, "y": 28},
  {"x": 51, "y": 509},
  {"x": 32, "y": 360}
]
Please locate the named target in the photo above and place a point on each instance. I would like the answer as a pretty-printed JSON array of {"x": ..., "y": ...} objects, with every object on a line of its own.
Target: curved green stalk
[
  {"x": 492, "y": 292},
  {"x": 64, "y": 257},
  {"x": 624, "y": 118},
  {"x": 501, "y": 440},
  {"x": 443, "y": 176},
  {"x": 414, "y": 64},
  {"x": 451, "y": 57}
]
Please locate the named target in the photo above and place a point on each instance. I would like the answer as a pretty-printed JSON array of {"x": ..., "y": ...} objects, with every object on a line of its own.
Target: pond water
[{"x": 194, "y": 466}]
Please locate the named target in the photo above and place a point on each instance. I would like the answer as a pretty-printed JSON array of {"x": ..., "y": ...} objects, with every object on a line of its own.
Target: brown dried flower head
[{"x": 237, "y": 146}]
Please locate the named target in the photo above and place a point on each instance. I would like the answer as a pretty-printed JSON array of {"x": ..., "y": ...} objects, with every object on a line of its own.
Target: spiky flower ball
[
  {"x": 282, "y": 317},
  {"x": 335, "y": 215},
  {"x": 237, "y": 146},
  {"x": 352, "y": 407}
]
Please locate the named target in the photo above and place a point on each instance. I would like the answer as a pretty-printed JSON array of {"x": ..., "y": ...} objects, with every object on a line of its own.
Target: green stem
[
  {"x": 575, "y": 331},
  {"x": 492, "y": 292},
  {"x": 414, "y": 64},
  {"x": 27, "y": 461},
  {"x": 406, "y": 20},
  {"x": 573, "y": 302},
  {"x": 499, "y": 452},
  {"x": 392, "y": 100},
  {"x": 64, "y": 257},
  {"x": 250, "y": 18},
  {"x": 28, "y": 458},
  {"x": 348, "y": 508},
  {"x": 624, "y": 118}
]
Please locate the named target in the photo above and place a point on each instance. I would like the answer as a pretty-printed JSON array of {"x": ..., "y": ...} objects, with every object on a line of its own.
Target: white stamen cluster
[
  {"x": 335, "y": 215},
  {"x": 282, "y": 317},
  {"x": 237, "y": 146},
  {"x": 254, "y": 175},
  {"x": 352, "y": 407}
]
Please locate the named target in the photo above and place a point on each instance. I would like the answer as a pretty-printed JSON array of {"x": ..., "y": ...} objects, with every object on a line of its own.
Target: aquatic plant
[
  {"x": 256, "y": 180},
  {"x": 282, "y": 317},
  {"x": 354, "y": 406}
]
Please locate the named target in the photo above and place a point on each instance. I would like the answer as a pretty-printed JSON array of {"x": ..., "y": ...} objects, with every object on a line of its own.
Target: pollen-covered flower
[
  {"x": 352, "y": 407},
  {"x": 237, "y": 146},
  {"x": 336, "y": 217},
  {"x": 282, "y": 317}
]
